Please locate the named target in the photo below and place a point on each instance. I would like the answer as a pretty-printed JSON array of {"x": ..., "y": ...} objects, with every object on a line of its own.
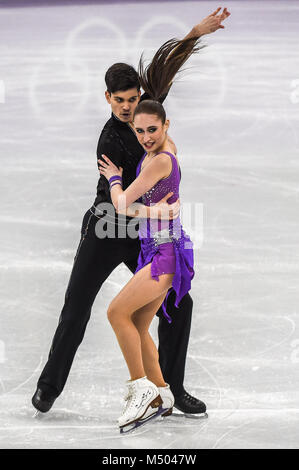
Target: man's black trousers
[{"x": 95, "y": 259}]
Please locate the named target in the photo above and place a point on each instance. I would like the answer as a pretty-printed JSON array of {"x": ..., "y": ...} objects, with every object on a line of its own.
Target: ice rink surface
[{"x": 234, "y": 117}]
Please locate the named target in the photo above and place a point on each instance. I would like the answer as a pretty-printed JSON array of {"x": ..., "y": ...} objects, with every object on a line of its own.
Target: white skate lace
[
  {"x": 128, "y": 400},
  {"x": 131, "y": 400}
]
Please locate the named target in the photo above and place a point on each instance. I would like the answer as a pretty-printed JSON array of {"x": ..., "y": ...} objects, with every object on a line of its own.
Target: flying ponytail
[{"x": 157, "y": 77}]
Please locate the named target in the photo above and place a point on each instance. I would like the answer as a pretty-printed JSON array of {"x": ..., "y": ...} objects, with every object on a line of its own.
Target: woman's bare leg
[
  {"x": 137, "y": 293},
  {"x": 142, "y": 319}
]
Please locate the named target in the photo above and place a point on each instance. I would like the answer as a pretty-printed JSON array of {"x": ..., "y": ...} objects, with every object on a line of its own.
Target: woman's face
[{"x": 151, "y": 133}]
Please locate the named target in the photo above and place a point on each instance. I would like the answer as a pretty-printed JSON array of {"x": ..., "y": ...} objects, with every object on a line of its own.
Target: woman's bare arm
[
  {"x": 153, "y": 172},
  {"x": 160, "y": 210}
]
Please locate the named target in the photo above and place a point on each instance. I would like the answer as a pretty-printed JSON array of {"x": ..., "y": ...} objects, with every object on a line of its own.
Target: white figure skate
[
  {"x": 143, "y": 403},
  {"x": 167, "y": 399}
]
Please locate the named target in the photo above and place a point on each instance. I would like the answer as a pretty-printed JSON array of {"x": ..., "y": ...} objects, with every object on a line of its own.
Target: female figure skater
[{"x": 166, "y": 258}]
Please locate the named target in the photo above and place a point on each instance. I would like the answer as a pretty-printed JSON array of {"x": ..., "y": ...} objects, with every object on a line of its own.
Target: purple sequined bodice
[
  {"x": 163, "y": 186},
  {"x": 149, "y": 228},
  {"x": 169, "y": 234}
]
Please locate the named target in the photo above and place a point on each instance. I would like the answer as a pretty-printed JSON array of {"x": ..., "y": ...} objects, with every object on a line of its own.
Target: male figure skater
[{"x": 97, "y": 257}]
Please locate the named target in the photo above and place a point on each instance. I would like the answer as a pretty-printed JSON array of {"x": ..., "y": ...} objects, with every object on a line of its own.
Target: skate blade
[
  {"x": 168, "y": 412},
  {"x": 128, "y": 428},
  {"x": 199, "y": 416},
  {"x": 155, "y": 404}
]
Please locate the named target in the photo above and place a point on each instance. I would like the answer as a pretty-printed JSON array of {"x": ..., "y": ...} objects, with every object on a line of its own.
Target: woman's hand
[
  {"x": 108, "y": 169},
  {"x": 211, "y": 23},
  {"x": 162, "y": 210}
]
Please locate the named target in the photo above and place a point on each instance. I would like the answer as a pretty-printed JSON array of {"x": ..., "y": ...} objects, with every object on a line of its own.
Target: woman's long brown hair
[{"x": 157, "y": 77}]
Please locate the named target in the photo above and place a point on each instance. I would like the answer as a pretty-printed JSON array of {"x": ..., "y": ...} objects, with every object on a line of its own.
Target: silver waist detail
[
  {"x": 162, "y": 236},
  {"x": 160, "y": 241}
]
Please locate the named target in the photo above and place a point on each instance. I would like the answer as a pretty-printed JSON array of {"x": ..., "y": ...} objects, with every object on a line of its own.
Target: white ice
[{"x": 235, "y": 117}]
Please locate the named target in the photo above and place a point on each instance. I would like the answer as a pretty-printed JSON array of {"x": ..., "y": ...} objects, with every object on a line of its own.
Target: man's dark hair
[{"x": 121, "y": 77}]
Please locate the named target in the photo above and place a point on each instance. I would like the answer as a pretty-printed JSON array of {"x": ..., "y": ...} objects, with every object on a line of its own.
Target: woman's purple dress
[{"x": 164, "y": 242}]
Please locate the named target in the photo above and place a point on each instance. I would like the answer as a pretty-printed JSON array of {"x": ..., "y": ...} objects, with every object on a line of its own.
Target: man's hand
[
  {"x": 210, "y": 24},
  {"x": 172, "y": 145},
  {"x": 164, "y": 211}
]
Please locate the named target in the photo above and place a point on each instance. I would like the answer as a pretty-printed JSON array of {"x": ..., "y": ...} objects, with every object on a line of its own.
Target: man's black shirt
[{"x": 119, "y": 142}]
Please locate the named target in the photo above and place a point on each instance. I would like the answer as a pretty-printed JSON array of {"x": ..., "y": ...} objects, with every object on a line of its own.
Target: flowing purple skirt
[{"x": 175, "y": 257}]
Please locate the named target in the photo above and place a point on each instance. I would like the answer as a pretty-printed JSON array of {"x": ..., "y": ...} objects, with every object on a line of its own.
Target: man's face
[{"x": 123, "y": 103}]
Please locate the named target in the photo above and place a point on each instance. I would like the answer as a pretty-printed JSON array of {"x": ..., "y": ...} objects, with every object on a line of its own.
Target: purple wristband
[
  {"x": 113, "y": 178},
  {"x": 116, "y": 182}
]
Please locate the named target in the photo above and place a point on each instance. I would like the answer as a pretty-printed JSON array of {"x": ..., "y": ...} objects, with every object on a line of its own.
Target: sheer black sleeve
[{"x": 109, "y": 145}]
